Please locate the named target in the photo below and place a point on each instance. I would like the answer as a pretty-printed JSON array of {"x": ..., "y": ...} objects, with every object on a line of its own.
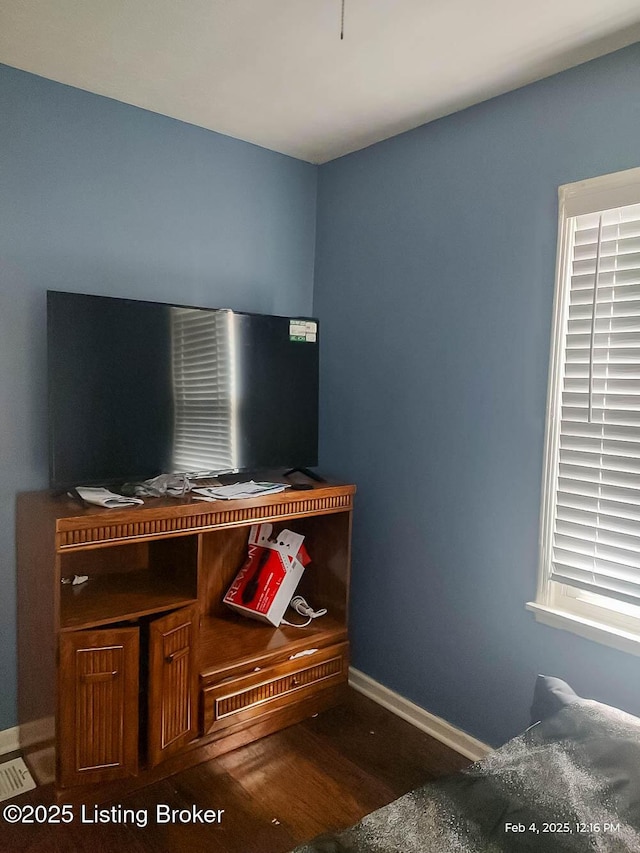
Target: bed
[{"x": 570, "y": 782}]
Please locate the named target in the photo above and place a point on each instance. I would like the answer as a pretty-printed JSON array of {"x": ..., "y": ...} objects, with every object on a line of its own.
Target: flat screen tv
[{"x": 137, "y": 389}]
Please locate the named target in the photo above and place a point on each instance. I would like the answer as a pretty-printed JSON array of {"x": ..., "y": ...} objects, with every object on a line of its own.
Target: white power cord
[{"x": 299, "y": 604}]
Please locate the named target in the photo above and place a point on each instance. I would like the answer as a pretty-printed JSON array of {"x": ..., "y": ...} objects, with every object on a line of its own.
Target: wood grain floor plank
[
  {"x": 386, "y": 746},
  {"x": 306, "y": 783}
]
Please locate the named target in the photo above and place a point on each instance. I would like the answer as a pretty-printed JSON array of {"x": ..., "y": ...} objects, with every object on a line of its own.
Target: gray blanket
[{"x": 569, "y": 783}]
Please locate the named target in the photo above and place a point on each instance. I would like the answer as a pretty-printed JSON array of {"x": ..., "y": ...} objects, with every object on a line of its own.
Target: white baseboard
[
  {"x": 435, "y": 726},
  {"x": 29, "y": 734}
]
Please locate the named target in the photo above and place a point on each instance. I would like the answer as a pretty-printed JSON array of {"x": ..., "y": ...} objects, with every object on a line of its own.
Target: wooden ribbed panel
[
  {"x": 244, "y": 700},
  {"x": 172, "y": 683},
  {"x": 99, "y": 708},
  {"x": 277, "y": 687},
  {"x": 176, "y": 684},
  {"x": 148, "y": 529},
  {"x": 98, "y": 705}
]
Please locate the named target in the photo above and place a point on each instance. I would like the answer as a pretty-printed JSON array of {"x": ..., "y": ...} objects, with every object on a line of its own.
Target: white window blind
[
  {"x": 596, "y": 484},
  {"x": 202, "y": 367}
]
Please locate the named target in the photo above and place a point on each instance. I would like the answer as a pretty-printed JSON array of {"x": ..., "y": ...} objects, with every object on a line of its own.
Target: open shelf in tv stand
[{"x": 142, "y": 666}]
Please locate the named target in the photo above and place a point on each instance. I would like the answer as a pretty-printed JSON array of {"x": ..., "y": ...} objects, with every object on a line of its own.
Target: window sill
[{"x": 616, "y": 638}]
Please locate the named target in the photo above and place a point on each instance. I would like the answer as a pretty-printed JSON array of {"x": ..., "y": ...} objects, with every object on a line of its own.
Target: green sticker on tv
[{"x": 303, "y": 331}]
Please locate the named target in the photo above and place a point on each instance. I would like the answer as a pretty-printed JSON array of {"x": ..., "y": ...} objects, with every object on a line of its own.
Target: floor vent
[{"x": 14, "y": 779}]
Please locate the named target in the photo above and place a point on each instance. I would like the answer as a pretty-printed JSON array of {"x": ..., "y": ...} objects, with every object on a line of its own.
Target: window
[{"x": 589, "y": 576}]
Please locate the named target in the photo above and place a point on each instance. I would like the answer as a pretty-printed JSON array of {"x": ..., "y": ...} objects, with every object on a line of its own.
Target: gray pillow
[{"x": 550, "y": 695}]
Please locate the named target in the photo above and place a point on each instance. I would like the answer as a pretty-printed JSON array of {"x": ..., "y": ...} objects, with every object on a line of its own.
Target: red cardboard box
[{"x": 265, "y": 584}]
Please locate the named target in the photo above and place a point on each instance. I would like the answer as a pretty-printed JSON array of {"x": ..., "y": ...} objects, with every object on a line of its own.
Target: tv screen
[{"x": 137, "y": 389}]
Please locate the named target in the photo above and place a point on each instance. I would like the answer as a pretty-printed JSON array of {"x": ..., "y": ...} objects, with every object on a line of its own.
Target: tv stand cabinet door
[
  {"x": 173, "y": 685},
  {"x": 97, "y": 738}
]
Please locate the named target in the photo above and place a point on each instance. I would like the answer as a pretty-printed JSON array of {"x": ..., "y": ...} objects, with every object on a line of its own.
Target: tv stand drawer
[{"x": 237, "y": 700}]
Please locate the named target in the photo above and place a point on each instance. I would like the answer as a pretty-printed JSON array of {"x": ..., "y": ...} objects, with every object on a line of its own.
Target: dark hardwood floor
[{"x": 320, "y": 775}]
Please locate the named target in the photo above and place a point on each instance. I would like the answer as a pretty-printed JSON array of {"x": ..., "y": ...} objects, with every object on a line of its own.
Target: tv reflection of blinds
[{"x": 203, "y": 375}]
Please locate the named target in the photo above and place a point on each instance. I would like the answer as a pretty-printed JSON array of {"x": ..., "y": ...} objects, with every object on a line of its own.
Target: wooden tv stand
[{"x": 143, "y": 668}]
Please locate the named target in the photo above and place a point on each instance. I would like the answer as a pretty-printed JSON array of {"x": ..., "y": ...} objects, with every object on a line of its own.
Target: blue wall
[
  {"x": 434, "y": 282},
  {"x": 100, "y": 197}
]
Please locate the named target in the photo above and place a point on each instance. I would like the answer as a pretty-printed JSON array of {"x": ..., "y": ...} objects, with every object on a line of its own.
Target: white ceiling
[{"x": 275, "y": 72}]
